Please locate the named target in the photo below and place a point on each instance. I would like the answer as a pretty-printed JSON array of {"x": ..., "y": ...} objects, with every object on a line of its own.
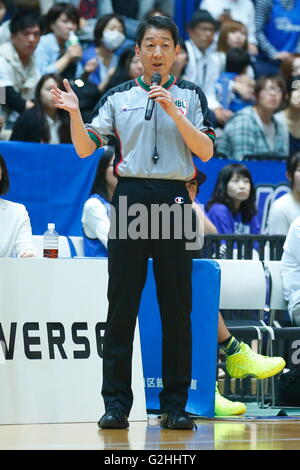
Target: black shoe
[
  {"x": 113, "y": 419},
  {"x": 177, "y": 420}
]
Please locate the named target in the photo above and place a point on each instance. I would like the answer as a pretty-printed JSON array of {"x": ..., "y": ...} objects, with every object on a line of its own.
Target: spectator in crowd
[
  {"x": 54, "y": 53},
  {"x": 96, "y": 210},
  {"x": 128, "y": 68},
  {"x": 286, "y": 208},
  {"x": 238, "y": 10},
  {"x": 100, "y": 60},
  {"x": 156, "y": 11},
  {"x": 43, "y": 123},
  {"x": 180, "y": 63},
  {"x": 18, "y": 72},
  {"x": 232, "y": 93},
  {"x": 15, "y": 228},
  {"x": 278, "y": 33},
  {"x": 201, "y": 68},
  {"x": 255, "y": 130},
  {"x": 6, "y": 11},
  {"x": 290, "y": 271},
  {"x": 193, "y": 188},
  {"x": 135, "y": 10},
  {"x": 59, "y": 52},
  {"x": 240, "y": 359},
  {"x": 232, "y": 205},
  {"x": 291, "y": 114},
  {"x": 290, "y": 67},
  {"x": 233, "y": 34}
]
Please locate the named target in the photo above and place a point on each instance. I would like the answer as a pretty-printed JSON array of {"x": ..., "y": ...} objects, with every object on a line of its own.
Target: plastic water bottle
[
  {"x": 51, "y": 242},
  {"x": 72, "y": 39}
]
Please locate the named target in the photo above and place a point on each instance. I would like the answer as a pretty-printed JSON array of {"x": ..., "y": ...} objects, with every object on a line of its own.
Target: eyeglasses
[{"x": 272, "y": 89}]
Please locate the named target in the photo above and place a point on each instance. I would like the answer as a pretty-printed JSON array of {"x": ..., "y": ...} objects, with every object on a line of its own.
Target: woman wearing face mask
[
  {"x": 100, "y": 60},
  {"x": 56, "y": 53}
]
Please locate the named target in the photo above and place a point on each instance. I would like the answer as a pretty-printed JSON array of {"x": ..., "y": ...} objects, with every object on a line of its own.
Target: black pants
[{"x": 127, "y": 265}]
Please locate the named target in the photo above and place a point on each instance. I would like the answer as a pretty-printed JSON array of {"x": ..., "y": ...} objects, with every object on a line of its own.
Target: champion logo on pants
[{"x": 179, "y": 200}]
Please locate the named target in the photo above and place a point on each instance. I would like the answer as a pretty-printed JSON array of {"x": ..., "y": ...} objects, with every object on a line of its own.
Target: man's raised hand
[{"x": 66, "y": 100}]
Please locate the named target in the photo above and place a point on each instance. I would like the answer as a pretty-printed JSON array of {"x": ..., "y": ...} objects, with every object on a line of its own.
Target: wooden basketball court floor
[{"x": 272, "y": 434}]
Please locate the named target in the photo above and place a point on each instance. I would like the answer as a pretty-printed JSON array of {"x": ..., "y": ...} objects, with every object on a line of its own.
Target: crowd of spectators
[
  {"x": 244, "y": 54},
  {"x": 230, "y": 46}
]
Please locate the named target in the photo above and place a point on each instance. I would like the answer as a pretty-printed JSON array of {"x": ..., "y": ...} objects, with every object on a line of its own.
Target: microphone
[{"x": 155, "y": 80}]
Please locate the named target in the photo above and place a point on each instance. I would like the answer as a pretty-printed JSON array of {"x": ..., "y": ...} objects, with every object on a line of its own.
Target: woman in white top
[
  {"x": 15, "y": 228},
  {"x": 96, "y": 211},
  {"x": 286, "y": 208}
]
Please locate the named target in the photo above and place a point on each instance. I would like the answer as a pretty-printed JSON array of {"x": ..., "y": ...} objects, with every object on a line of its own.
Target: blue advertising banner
[
  {"x": 204, "y": 317},
  {"x": 53, "y": 183},
  {"x": 269, "y": 178}
]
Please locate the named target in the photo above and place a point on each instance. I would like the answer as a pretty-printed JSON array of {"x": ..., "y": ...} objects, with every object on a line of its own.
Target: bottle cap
[{"x": 51, "y": 227}]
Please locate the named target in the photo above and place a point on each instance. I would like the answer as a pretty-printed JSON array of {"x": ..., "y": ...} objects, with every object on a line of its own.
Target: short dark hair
[
  {"x": 237, "y": 60},
  {"x": 220, "y": 195},
  {"x": 101, "y": 24},
  {"x": 291, "y": 165},
  {"x": 202, "y": 16},
  {"x": 277, "y": 79},
  {"x": 22, "y": 20},
  {"x": 157, "y": 22},
  {"x": 58, "y": 9},
  {"x": 4, "y": 181}
]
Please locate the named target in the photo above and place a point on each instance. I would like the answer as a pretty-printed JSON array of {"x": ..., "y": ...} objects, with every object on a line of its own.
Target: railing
[{"x": 242, "y": 246}]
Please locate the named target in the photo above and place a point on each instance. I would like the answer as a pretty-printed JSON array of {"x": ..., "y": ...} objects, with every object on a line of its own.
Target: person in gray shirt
[{"x": 154, "y": 159}]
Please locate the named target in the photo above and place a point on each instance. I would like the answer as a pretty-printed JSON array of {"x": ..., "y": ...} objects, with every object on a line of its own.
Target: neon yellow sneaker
[
  {"x": 224, "y": 407},
  {"x": 246, "y": 362}
]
